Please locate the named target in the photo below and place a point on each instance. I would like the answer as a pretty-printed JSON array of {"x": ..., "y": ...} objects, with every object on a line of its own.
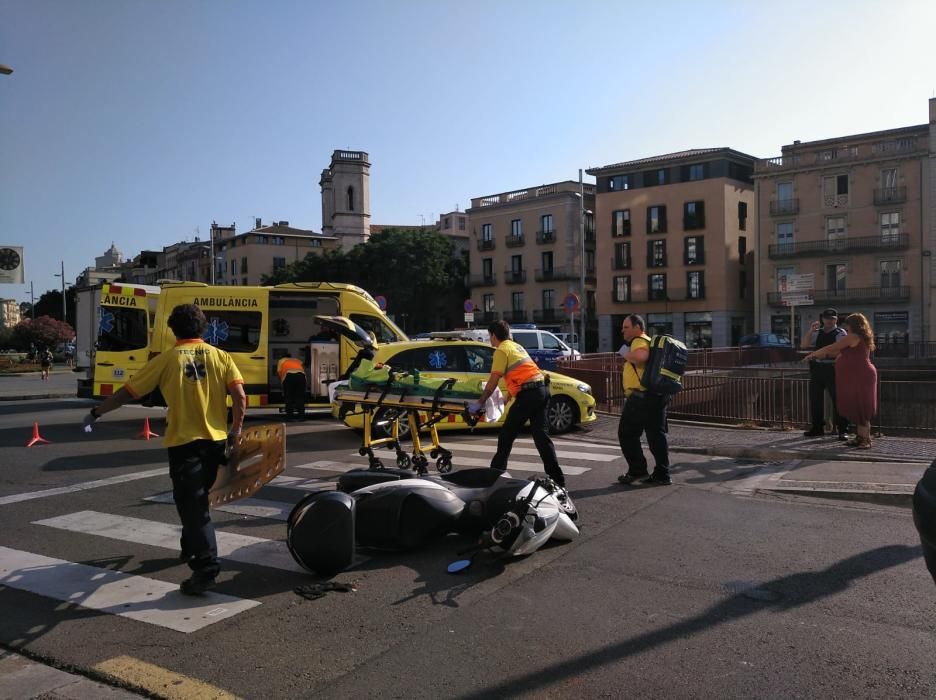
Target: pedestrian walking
[
  {"x": 45, "y": 363},
  {"x": 293, "y": 380},
  {"x": 855, "y": 376},
  {"x": 194, "y": 378},
  {"x": 643, "y": 412},
  {"x": 821, "y": 334},
  {"x": 527, "y": 385}
]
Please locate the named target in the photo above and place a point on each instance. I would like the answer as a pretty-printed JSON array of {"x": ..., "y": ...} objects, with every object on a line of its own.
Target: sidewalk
[
  {"x": 62, "y": 384},
  {"x": 22, "y": 678}
]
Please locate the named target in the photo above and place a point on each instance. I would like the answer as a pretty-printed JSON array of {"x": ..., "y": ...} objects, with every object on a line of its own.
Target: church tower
[{"x": 346, "y": 198}]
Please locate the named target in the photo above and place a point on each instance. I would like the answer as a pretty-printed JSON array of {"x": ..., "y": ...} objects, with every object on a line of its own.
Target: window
[
  {"x": 234, "y": 267},
  {"x": 693, "y": 215},
  {"x": 589, "y": 226},
  {"x": 694, "y": 250},
  {"x": 742, "y": 216},
  {"x": 622, "y": 256},
  {"x": 121, "y": 328},
  {"x": 836, "y": 277},
  {"x": 889, "y": 178},
  {"x": 656, "y": 253},
  {"x": 233, "y": 331},
  {"x": 656, "y": 177},
  {"x": 516, "y": 228},
  {"x": 890, "y": 226},
  {"x": 244, "y": 266},
  {"x": 479, "y": 359},
  {"x": 656, "y": 219},
  {"x": 461, "y": 223},
  {"x": 548, "y": 262},
  {"x": 373, "y": 324},
  {"x": 279, "y": 264},
  {"x": 549, "y": 299},
  {"x": 244, "y": 281},
  {"x": 697, "y": 172},
  {"x": 785, "y": 237},
  {"x": 234, "y": 282},
  {"x": 890, "y": 273},
  {"x": 487, "y": 268},
  {"x": 447, "y": 222},
  {"x": 695, "y": 285},
  {"x": 516, "y": 301},
  {"x": 450, "y": 358},
  {"x": 657, "y": 286},
  {"x": 516, "y": 264},
  {"x": 546, "y": 222},
  {"x": 620, "y": 223},
  {"x": 589, "y": 261},
  {"x": 835, "y": 190},
  {"x": 219, "y": 269},
  {"x": 487, "y": 303},
  {"x": 622, "y": 288},
  {"x": 742, "y": 284},
  {"x": 619, "y": 182},
  {"x": 784, "y": 191},
  {"x": 487, "y": 232},
  {"x": 742, "y": 248},
  {"x": 835, "y": 232},
  {"x": 350, "y": 198}
]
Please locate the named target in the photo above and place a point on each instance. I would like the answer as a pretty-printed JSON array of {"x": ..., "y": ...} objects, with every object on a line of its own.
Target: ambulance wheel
[
  {"x": 382, "y": 424},
  {"x": 444, "y": 465},
  {"x": 404, "y": 461},
  {"x": 561, "y": 414}
]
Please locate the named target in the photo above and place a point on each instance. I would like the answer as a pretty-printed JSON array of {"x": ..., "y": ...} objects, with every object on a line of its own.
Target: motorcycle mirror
[{"x": 456, "y": 567}]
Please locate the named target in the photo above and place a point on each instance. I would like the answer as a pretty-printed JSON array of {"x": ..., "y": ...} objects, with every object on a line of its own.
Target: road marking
[
  {"x": 114, "y": 592},
  {"x": 159, "y": 681},
  {"x": 240, "y": 548},
  {"x": 327, "y": 465},
  {"x": 255, "y": 507},
  {"x": 98, "y": 483},
  {"x": 513, "y": 466},
  {"x": 531, "y": 451},
  {"x": 577, "y": 444}
]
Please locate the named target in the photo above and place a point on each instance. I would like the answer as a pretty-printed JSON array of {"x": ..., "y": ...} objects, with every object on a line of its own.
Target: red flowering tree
[{"x": 42, "y": 332}]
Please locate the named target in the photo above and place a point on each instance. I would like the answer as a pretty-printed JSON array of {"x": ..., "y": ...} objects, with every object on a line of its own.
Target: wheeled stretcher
[{"x": 421, "y": 407}]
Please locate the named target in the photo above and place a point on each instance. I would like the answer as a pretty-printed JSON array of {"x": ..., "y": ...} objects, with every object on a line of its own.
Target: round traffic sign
[
  {"x": 570, "y": 302},
  {"x": 381, "y": 302},
  {"x": 469, "y": 306}
]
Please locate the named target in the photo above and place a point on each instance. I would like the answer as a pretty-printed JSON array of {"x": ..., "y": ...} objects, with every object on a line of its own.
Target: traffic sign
[
  {"x": 571, "y": 302},
  {"x": 796, "y": 299},
  {"x": 469, "y": 306},
  {"x": 381, "y": 302},
  {"x": 469, "y": 317},
  {"x": 805, "y": 282}
]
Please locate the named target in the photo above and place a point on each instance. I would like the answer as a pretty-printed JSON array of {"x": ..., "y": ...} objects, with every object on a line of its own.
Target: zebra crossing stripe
[
  {"x": 531, "y": 451},
  {"x": 513, "y": 466},
  {"x": 98, "y": 483},
  {"x": 240, "y": 548},
  {"x": 329, "y": 465},
  {"x": 135, "y": 597},
  {"x": 254, "y": 507}
]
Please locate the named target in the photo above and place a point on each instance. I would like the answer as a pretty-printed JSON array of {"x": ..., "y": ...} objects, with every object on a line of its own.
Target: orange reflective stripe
[{"x": 521, "y": 373}]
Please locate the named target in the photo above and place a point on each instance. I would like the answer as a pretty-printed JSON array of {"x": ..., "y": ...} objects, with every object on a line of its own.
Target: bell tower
[{"x": 345, "y": 188}]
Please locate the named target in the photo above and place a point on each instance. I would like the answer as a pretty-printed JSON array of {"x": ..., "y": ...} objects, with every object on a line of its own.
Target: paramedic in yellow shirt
[
  {"x": 528, "y": 387},
  {"x": 642, "y": 412},
  {"x": 194, "y": 378}
]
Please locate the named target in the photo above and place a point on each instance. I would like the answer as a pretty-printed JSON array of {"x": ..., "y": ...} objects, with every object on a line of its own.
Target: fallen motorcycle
[{"x": 388, "y": 509}]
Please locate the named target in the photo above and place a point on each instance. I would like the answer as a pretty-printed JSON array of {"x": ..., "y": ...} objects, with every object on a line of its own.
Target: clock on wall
[{"x": 9, "y": 259}]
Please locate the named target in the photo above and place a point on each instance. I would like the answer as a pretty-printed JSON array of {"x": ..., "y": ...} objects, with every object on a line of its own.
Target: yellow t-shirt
[
  {"x": 514, "y": 364},
  {"x": 633, "y": 373},
  {"x": 193, "y": 377}
]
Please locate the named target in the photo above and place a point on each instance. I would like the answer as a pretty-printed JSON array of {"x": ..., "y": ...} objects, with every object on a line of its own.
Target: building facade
[
  {"x": 9, "y": 313},
  {"x": 855, "y": 214},
  {"x": 345, "y": 186},
  {"x": 674, "y": 244},
  {"x": 526, "y": 255}
]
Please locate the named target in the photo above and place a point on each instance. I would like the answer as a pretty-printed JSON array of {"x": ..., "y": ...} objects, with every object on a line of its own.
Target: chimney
[{"x": 257, "y": 223}]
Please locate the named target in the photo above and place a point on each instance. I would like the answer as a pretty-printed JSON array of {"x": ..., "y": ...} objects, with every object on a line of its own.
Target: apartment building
[
  {"x": 9, "y": 313},
  {"x": 855, "y": 212},
  {"x": 525, "y": 255},
  {"x": 674, "y": 241}
]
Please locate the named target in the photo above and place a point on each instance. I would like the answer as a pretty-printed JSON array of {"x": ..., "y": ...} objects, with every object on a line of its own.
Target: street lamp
[
  {"x": 6, "y": 70},
  {"x": 62, "y": 275},
  {"x": 582, "y": 212}
]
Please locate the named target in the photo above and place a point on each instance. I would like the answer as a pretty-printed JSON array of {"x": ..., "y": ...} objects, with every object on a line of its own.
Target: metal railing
[
  {"x": 486, "y": 244},
  {"x": 784, "y": 207},
  {"x": 514, "y": 276},
  {"x": 482, "y": 280},
  {"x": 515, "y": 316},
  {"x": 852, "y": 295},
  {"x": 515, "y": 240},
  {"x": 549, "y": 315},
  {"x": 545, "y": 236},
  {"x": 890, "y": 195},
  {"x": 837, "y": 246}
]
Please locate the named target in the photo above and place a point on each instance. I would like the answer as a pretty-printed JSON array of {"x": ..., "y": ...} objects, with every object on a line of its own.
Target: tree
[
  {"x": 50, "y": 304},
  {"x": 41, "y": 332}
]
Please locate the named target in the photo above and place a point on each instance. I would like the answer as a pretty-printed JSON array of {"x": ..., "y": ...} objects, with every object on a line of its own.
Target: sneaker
[
  {"x": 628, "y": 479},
  {"x": 658, "y": 479},
  {"x": 197, "y": 584},
  {"x": 814, "y": 433}
]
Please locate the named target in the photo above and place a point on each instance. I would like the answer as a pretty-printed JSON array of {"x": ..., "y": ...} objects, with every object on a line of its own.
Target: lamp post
[
  {"x": 62, "y": 275},
  {"x": 582, "y": 299}
]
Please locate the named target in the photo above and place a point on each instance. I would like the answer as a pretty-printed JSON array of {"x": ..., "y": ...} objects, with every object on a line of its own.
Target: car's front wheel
[
  {"x": 561, "y": 414},
  {"x": 382, "y": 424}
]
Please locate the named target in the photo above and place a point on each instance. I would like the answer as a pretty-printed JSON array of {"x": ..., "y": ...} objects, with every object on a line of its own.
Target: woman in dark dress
[{"x": 855, "y": 377}]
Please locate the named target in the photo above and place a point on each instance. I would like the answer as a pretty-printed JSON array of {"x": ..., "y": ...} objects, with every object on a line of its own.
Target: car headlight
[{"x": 584, "y": 388}]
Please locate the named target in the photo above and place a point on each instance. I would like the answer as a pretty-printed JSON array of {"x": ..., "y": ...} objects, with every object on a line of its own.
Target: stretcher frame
[{"x": 436, "y": 408}]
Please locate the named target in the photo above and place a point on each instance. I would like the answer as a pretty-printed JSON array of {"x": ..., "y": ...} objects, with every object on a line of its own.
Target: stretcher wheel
[
  {"x": 444, "y": 465},
  {"x": 362, "y": 451},
  {"x": 404, "y": 461},
  {"x": 433, "y": 453}
]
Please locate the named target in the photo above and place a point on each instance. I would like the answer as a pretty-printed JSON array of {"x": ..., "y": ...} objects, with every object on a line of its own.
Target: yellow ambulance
[
  {"x": 120, "y": 318},
  {"x": 260, "y": 325}
]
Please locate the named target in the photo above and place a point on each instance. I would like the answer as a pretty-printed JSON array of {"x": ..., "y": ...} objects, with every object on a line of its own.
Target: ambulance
[
  {"x": 260, "y": 325},
  {"x": 113, "y": 329}
]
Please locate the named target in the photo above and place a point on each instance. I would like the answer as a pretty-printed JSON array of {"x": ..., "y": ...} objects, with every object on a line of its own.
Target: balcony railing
[
  {"x": 514, "y": 276},
  {"x": 515, "y": 240},
  {"x": 549, "y": 315},
  {"x": 515, "y": 316},
  {"x": 485, "y": 317},
  {"x": 556, "y": 273},
  {"x": 853, "y": 295},
  {"x": 837, "y": 246},
  {"x": 890, "y": 195},
  {"x": 482, "y": 280},
  {"x": 784, "y": 207},
  {"x": 486, "y": 244},
  {"x": 545, "y": 236}
]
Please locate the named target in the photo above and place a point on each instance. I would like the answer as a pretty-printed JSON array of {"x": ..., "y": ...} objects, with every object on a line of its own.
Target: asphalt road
[{"x": 703, "y": 589}]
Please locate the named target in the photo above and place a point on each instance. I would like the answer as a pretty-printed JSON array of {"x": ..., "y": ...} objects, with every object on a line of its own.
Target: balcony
[
  {"x": 549, "y": 316},
  {"x": 515, "y": 316},
  {"x": 853, "y": 295},
  {"x": 890, "y": 195},
  {"x": 784, "y": 207},
  {"x": 515, "y": 240},
  {"x": 486, "y": 244},
  {"x": 564, "y": 273},
  {"x": 837, "y": 246},
  {"x": 485, "y": 317},
  {"x": 514, "y": 276},
  {"x": 545, "y": 236},
  {"x": 481, "y": 280}
]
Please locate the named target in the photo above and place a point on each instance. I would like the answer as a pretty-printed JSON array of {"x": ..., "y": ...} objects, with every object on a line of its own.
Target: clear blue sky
[{"x": 139, "y": 122}]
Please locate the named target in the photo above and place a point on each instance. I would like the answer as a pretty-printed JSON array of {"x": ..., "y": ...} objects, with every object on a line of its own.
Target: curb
[
  {"x": 770, "y": 455},
  {"x": 887, "y": 498},
  {"x": 35, "y": 397}
]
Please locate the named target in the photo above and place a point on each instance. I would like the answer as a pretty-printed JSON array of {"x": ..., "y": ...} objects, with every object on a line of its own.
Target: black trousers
[
  {"x": 529, "y": 405},
  {"x": 644, "y": 413},
  {"x": 294, "y": 386},
  {"x": 821, "y": 380},
  {"x": 193, "y": 468}
]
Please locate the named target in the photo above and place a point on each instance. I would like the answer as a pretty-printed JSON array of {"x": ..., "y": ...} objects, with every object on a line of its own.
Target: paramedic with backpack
[{"x": 642, "y": 412}]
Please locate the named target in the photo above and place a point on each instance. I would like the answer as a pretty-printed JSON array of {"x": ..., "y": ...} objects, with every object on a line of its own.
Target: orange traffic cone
[
  {"x": 146, "y": 433},
  {"x": 36, "y": 436}
]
